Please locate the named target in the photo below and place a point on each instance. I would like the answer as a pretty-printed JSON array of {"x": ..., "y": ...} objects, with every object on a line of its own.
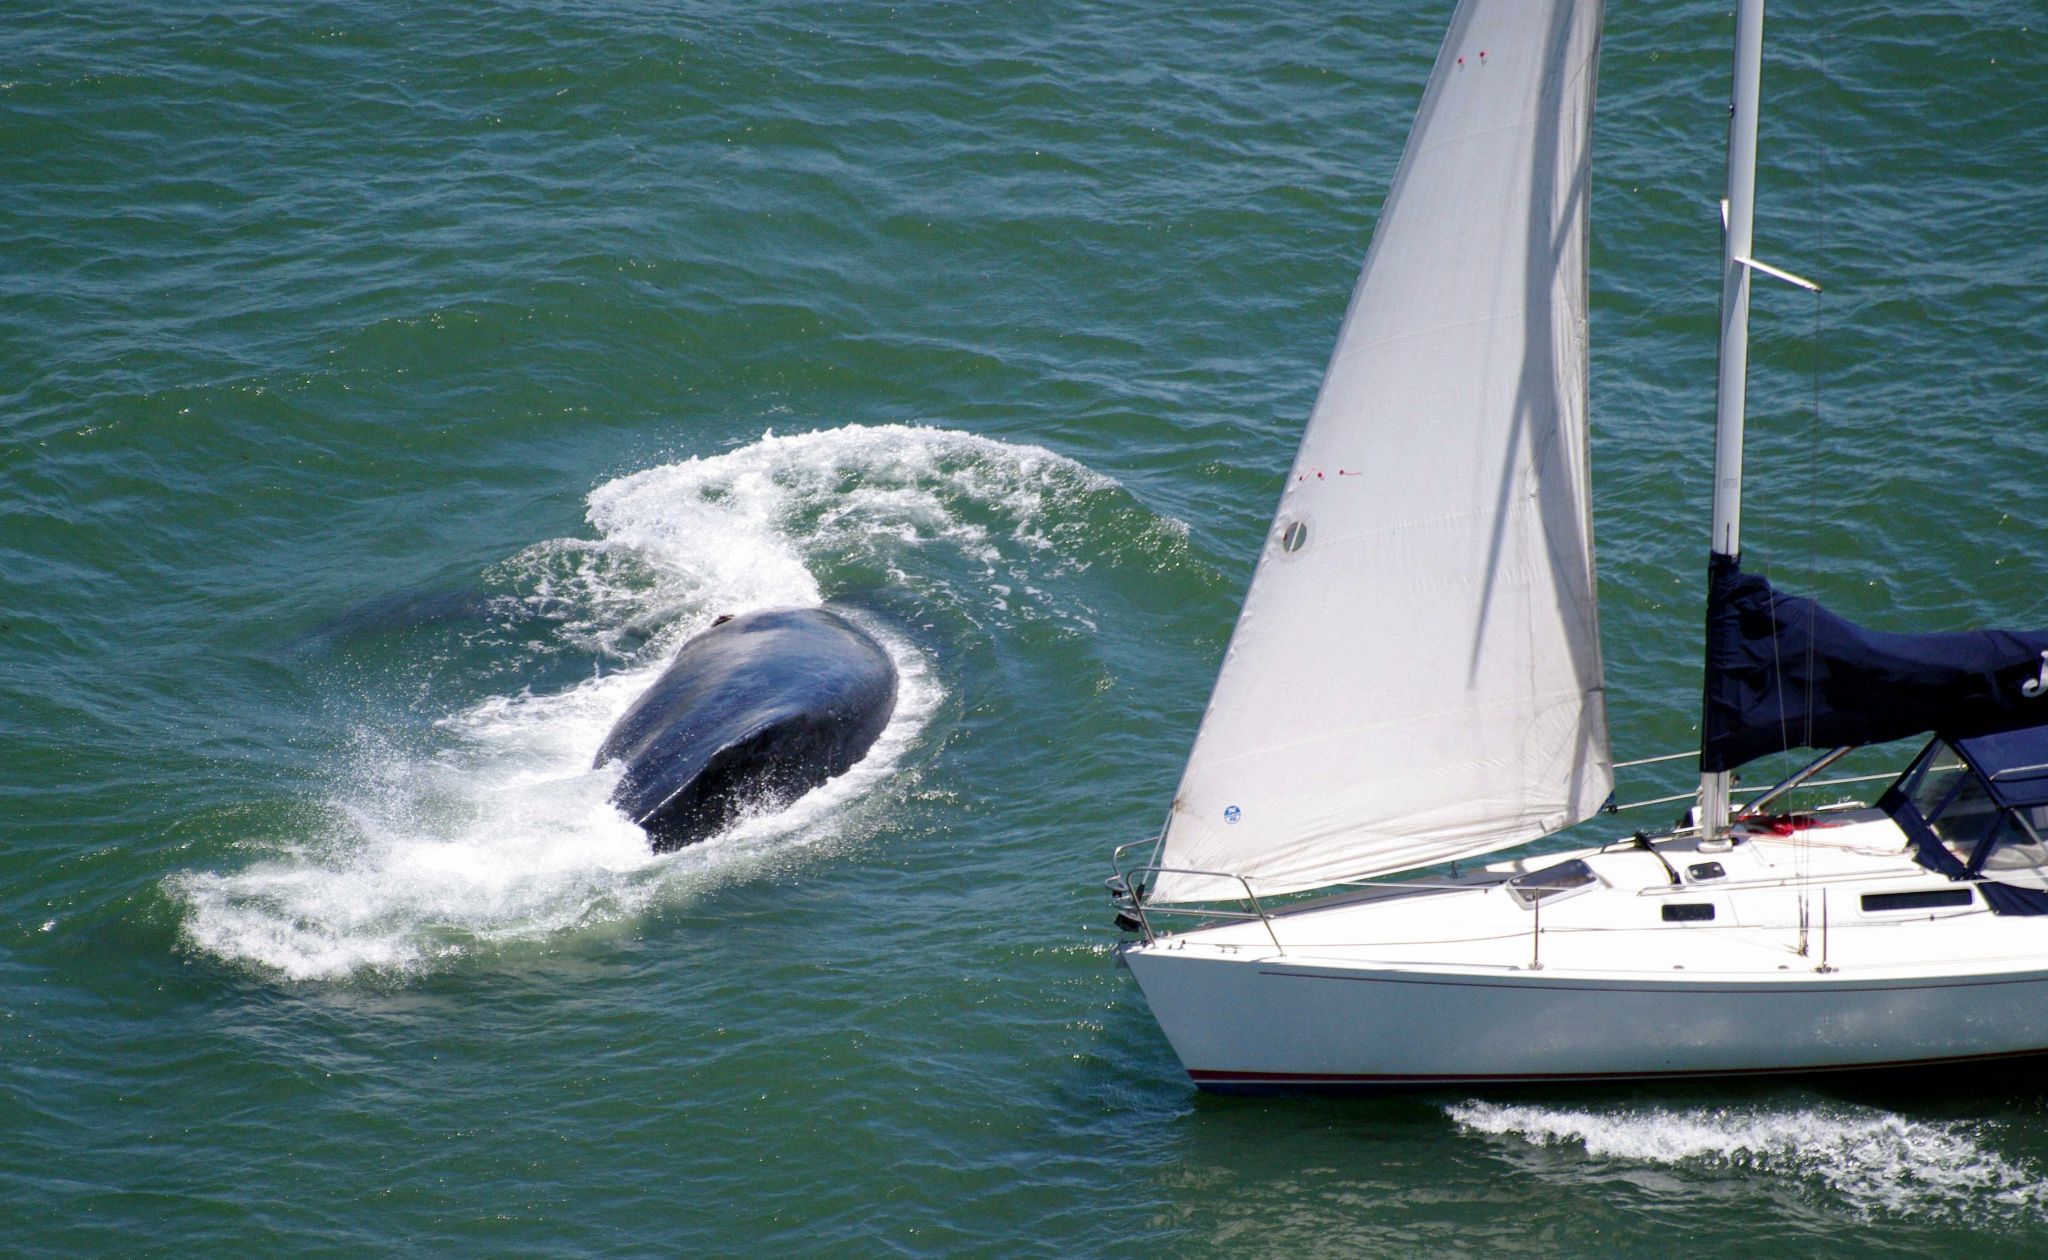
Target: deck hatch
[{"x": 1552, "y": 882}]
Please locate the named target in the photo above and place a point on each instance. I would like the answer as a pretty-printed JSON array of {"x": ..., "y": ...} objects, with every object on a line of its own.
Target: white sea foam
[
  {"x": 1873, "y": 1162},
  {"x": 491, "y": 826},
  {"x": 748, "y": 529}
]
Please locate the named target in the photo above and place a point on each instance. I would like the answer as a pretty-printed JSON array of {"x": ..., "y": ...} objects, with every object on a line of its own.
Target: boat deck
[{"x": 1781, "y": 906}]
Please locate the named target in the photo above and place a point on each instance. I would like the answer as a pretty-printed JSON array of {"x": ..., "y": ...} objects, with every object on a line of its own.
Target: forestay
[{"x": 1415, "y": 675}]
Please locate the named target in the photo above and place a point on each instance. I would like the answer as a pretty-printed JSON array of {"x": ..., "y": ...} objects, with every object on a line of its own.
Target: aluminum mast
[{"x": 1735, "y": 268}]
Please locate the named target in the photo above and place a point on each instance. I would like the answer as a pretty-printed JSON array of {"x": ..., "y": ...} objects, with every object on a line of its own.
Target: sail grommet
[{"x": 1293, "y": 536}]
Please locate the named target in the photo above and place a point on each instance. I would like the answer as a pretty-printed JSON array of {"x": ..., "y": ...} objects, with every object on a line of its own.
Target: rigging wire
[
  {"x": 1813, "y": 422},
  {"x": 1646, "y": 761},
  {"x": 1818, "y": 201}
]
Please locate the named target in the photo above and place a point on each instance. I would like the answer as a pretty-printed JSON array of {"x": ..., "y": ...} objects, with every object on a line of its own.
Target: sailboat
[{"x": 1415, "y": 682}]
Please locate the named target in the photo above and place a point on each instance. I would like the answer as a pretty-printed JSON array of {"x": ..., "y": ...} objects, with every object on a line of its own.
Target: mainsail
[
  {"x": 1783, "y": 672},
  {"x": 1415, "y": 675}
]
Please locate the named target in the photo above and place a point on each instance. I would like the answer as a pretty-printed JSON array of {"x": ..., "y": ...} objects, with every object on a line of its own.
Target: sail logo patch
[
  {"x": 1231, "y": 814},
  {"x": 2035, "y": 688}
]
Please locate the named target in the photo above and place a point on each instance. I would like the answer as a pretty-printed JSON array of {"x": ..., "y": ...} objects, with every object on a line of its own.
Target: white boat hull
[
  {"x": 1272, "y": 1023},
  {"x": 1826, "y": 951}
]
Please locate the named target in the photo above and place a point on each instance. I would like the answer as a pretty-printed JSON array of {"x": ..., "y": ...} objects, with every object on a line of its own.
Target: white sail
[{"x": 1416, "y": 674}]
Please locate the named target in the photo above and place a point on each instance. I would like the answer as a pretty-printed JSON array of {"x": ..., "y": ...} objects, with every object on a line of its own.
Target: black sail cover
[{"x": 1783, "y": 672}]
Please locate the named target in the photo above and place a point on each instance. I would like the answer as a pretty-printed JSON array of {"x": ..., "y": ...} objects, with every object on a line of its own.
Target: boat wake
[
  {"x": 1874, "y": 1163},
  {"x": 484, "y": 823}
]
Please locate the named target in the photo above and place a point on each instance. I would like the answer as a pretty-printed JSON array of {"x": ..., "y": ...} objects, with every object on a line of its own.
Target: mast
[{"x": 1725, "y": 545}]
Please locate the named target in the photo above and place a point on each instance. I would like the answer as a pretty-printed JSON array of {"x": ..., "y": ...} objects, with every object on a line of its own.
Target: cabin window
[
  {"x": 1690, "y": 912},
  {"x": 1553, "y": 881},
  {"x": 1919, "y": 899},
  {"x": 1967, "y": 819}
]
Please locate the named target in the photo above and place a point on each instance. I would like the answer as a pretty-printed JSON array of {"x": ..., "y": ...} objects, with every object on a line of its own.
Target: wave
[{"x": 1873, "y": 1162}]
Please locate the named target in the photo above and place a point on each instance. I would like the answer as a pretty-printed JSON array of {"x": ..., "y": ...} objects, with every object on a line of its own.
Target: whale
[{"x": 751, "y": 714}]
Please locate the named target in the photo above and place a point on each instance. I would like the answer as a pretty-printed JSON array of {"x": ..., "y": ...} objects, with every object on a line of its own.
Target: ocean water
[{"x": 386, "y": 390}]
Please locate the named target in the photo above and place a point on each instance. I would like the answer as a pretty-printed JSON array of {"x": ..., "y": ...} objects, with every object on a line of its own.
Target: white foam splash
[
  {"x": 492, "y": 827},
  {"x": 747, "y": 529},
  {"x": 1873, "y": 1162}
]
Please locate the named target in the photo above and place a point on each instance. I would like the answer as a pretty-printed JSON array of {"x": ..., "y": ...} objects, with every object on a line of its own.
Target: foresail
[{"x": 1415, "y": 675}]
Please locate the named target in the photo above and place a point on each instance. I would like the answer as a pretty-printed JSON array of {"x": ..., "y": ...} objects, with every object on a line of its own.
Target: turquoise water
[{"x": 385, "y": 390}]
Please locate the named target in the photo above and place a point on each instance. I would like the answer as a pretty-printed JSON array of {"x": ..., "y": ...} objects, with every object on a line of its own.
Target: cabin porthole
[
  {"x": 1917, "y": 899},
  {"x": 1294, "y": 537}
]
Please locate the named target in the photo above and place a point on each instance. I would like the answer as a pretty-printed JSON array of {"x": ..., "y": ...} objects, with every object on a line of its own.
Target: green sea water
[{"x": 386, "y": 389}]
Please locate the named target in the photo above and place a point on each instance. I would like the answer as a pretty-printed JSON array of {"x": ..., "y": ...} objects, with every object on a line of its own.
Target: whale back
[{"x": 750, "y": 714}]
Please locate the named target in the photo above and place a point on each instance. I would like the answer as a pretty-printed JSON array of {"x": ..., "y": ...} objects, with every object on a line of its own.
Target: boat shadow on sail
[{"x": 1546, "y": 387}]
